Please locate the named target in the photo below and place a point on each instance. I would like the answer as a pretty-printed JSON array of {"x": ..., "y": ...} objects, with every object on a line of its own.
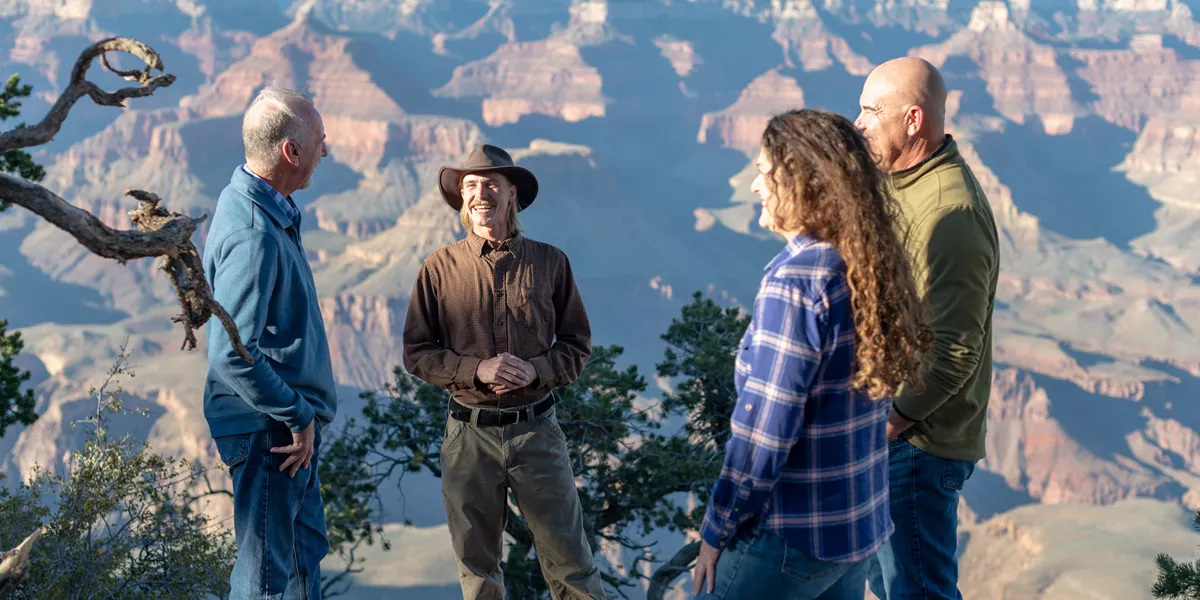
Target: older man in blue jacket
[{"x": 266, "y": 416}]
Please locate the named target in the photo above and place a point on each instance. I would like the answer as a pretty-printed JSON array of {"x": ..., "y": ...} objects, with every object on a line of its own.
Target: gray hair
[{"x": 276, "y": 114}]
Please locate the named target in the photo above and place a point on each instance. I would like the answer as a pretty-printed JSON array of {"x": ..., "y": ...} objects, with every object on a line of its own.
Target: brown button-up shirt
[{"x": 472, "y": 301}]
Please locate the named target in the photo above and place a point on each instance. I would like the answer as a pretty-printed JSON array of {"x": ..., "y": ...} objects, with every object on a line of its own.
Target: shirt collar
[
  {"x": 479, "y": 245},
  {"x": 794, "y": 247},
  {"x": 285, "y": 204}
]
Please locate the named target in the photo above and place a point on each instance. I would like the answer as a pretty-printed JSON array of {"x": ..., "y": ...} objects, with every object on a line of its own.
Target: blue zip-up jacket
[{"x": 255, "y": 263}]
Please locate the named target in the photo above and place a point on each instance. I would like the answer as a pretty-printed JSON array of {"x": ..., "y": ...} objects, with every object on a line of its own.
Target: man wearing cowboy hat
[{"x": 496, "y": 320}]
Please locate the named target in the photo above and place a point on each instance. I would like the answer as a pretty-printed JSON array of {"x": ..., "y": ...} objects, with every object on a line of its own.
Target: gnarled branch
[
  {"x": 182, "y": 264},
  {"x": 160, "y": 233},
  {"x": 15, "y": 563},
  {"x": 97, "y": 237},
  {"x": 24, "y": 137},
  {"x": 665, "y": 575}
]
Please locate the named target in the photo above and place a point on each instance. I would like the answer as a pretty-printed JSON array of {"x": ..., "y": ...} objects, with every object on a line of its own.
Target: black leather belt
[{"x": 489, "y": 417}]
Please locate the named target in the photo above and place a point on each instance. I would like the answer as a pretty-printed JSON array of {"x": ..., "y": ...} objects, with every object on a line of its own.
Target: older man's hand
[
  {"x": 300, "y": 452},
  {"x": 897, "y": 425}
]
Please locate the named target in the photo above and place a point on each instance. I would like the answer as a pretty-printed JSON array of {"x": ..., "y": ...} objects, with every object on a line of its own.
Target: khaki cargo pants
[{"x": 479, "y": 466}]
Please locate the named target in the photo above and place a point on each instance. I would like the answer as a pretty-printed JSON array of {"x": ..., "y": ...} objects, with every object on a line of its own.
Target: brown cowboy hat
[{"x": 488, "y": 158}]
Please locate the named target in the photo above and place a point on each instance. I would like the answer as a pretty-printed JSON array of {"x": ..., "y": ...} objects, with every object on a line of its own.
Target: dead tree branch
[
  {"x": 183, "y": 266},
  {"x": 679, "y": 564},
  {"x": 97, "y": 237},
  {"x": 15, "y": 563},
  {"x": 24, "y": 137},
  {"x": 160, "y": 233}
]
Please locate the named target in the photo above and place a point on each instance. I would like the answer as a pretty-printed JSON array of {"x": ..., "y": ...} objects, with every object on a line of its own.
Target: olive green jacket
[{"x": 951, "y": 237}]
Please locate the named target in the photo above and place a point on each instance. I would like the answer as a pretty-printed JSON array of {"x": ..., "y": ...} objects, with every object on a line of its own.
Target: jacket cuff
[
  {"x": 305, "y": 415},
  {"x": 465, "y": 373},
  {"x": 903, "y": 415},
  {"x": 917, "y": 407}
]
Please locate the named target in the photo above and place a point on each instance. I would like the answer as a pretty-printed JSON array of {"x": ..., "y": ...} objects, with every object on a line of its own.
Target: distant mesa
[
  {"x": 680, "y": 53},
  {"x": 1147, "y": 81},
  {"x": 803, "y": 36},
  {"x": 741, "y": 124},
  {"x": 1022, "y": 76},
  {"x": 298, "y": 56},
  {"x": 546, "y": 77}
]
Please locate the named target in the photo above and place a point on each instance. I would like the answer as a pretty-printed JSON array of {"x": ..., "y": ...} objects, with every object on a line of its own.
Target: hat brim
[{"x": 450, "y": 177}]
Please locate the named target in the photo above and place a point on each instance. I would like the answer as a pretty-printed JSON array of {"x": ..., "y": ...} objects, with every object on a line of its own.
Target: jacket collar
[
  {"x": 266, "y": 197},
  {"x": 946, "y": 153}
]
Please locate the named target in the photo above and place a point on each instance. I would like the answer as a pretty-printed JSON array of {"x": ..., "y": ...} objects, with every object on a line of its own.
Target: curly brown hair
[{"x": 825, "y": 185}]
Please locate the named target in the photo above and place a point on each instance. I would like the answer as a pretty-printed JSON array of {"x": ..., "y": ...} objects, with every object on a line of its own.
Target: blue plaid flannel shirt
[{"x": 808, "y": 455}]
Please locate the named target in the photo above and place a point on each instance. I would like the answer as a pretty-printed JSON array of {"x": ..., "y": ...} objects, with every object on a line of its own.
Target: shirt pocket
[{"x": 532, "y": 300}]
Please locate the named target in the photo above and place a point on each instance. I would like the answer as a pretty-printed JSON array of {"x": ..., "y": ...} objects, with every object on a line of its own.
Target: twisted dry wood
[
  {"x": 183, "y": 266},
  {"x": 24, "y": 137},
  {"x": 160, "y": 233},
  {"x": 14, "y": 564},
  {"x": 679, "y": 564}
]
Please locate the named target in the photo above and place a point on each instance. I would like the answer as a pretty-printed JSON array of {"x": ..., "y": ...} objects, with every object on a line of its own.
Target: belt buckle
[{"x": 509, "y": 417}]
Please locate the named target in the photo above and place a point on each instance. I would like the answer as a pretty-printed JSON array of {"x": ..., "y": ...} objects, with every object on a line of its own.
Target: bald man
[
  {"x": 937, "y": 433},
  {"x": 266, "y": 415}
]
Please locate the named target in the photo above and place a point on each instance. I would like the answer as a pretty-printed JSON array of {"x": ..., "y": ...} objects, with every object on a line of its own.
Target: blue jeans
[
  {"x": 759, "y": 565},
  {"x": 920, "y": 560},
  {"x": 278, "y": 521}
]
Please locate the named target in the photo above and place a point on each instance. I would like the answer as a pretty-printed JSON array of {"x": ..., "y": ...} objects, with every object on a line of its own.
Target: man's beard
[{"x": 308, "y": 180}]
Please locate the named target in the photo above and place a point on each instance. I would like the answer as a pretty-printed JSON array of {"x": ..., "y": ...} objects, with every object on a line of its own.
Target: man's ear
[
  {"x": 291, "y": 152},
  {"x": 914, "y": 120}
]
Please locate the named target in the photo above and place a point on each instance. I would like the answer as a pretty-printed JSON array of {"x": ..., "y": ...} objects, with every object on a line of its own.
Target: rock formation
[{"x": 646, "y": 187}]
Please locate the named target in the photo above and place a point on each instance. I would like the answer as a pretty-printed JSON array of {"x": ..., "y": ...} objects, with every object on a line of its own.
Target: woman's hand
[{"x": 706, "y": 569}]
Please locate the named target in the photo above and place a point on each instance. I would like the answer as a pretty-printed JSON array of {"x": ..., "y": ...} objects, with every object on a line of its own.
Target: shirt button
[{"x": 749, "y": 406}]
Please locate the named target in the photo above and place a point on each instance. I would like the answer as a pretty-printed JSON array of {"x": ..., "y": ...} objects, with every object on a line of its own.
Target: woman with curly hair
[{"x": 837, "y": 329}]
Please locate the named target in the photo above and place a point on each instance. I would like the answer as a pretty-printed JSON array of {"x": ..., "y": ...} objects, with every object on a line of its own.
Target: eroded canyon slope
[{"x": 1081, "y": 119}]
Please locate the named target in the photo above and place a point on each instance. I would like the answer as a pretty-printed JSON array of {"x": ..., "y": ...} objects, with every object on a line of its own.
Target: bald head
[
  {"x": 903, "y": 114},
  {"x": 911, "y": 81}
]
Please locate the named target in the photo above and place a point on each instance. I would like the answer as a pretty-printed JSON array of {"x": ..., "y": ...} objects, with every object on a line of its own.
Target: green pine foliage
[
  {"x": 16, "y": 406},
  {"x": 17, "y": 161},
  {"x": 1176, "y": 580}
]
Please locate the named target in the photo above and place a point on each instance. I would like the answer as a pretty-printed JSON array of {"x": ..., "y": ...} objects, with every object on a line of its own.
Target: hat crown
[{"x": 487, "y": 155}]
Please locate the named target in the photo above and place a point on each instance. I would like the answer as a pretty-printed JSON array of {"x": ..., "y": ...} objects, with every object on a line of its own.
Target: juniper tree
[
  {"x": 16, "y": 406},
  {"x": 157, "y": 233},
  {"x": 120, "y": 521},
  {"x": 635, "y": 471}
]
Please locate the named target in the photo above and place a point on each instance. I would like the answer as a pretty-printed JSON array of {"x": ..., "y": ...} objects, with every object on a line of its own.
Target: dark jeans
[
  {"x": 758, "y": 565},
  {"x": 920, "y": 560},
  {"x": 279, "y": 521}
]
